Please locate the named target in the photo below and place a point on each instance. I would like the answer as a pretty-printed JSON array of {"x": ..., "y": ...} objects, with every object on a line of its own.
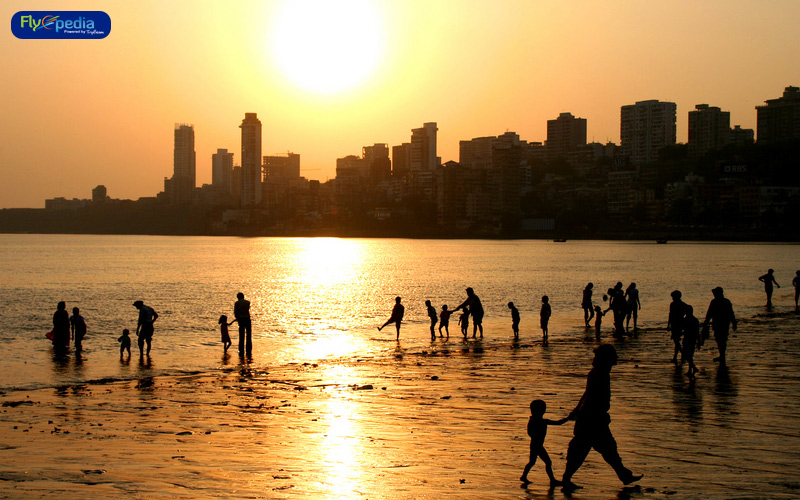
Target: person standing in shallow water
[
  {"x": 61, "y": 326},
  {"x": 433, "y": 317},
  {"x": 768, "y": 280},
  {"x": 720, "y": 314},
  {"x": 241, "y": 313},
  {"x": 397, "y": 316},
  {"x": 78, "y": 328},
  {"x": 144, "y": 326},
  {"x": 514, "y": 319},
  {"x": 592, "y": 421},
  {"x": 633, "y": 306},
  {"x": 544, "y": 316},
  {"x": 476, "y": 310},
  {"x": 586, "y": 304},
  {"x": 677, "y": 310}
]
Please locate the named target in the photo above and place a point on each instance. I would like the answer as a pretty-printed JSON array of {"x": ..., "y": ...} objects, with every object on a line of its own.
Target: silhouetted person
[
  {"x": 768, "y": 280},
  {"x": 592, "y": 421},
  {"x": 586, "y": 304},
  {"x": 223, "y": 330},
  {"x": 544, "y": 315},
  {"x": 397, "y": 316},
  {"x": 514, "y": 319},
  {"x": 691, "y": 338},
  {"x": 618, "y": 307},
  {"x": 537, "y": 430},
  {"x": 78, "y": 328},
  {"x": 720, "y": 314},
  {"x": 433, "y": 317},
  {"x": 598, "y": 321},
  {"x": 444, "y": 321},
  {"x": 124, "y": 343},
  {"x": 677, "y": 310},
  {"x": 796, "y": 285},
  {"x": 241, "y": 312},
  {"x": 463, "y": 322},
  {"x": 475, "y": 309},
  {"x": 144, "y": 326},
  {"x": 61, "y": 326},
  {"x": 633, "y": 305}
]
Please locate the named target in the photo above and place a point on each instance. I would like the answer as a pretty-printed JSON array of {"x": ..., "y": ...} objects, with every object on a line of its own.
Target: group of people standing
[
  {"x": 66, "y": 328},
  {"x": 471, "y": 307},
  {"x": 624, "y": 305}
]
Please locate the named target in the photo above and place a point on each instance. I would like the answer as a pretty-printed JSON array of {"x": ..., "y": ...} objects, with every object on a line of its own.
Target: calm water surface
[{"x": 322, "y": 298}]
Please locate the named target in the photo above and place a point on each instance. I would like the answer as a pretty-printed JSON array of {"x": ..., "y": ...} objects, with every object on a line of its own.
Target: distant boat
[
  {"x": 560, "y": 240},
  {"x": 661, "y": 242}
]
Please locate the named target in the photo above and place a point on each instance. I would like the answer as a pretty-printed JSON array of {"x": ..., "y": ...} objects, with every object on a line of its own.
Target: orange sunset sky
[{"x": 328, "y": 77}]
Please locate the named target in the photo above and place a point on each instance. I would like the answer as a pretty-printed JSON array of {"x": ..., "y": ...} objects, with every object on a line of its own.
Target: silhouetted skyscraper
[
  {"x": 222, "y": 170},
  {"x": 565, "y": 134},
  {"x": 646, "y": 128},
  {"x": 779, "y": 120},
  {"x": 401, "y": 160},
  {"x": 251, "y": 160},
  {"x": 709, "y": 129},
  {"x": 180, "y": 188},
  {"x": 423, "y": 148}
]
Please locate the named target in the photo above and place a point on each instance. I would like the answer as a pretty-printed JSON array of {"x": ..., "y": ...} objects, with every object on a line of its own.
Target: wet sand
[{"x": 446, "y": 421}]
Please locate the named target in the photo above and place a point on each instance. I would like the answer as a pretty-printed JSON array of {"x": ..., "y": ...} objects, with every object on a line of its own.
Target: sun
[{"x": 327, "y": 46}]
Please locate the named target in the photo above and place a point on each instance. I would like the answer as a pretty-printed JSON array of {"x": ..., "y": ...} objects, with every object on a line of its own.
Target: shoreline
[{"x": 414, "y": 425}]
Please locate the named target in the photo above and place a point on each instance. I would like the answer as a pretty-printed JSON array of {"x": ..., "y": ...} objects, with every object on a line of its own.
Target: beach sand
[{"x": 441, "y": 422}]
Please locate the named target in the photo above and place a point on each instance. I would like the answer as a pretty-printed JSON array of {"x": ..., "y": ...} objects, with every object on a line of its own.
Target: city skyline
[{"x": 475, "y": 70}]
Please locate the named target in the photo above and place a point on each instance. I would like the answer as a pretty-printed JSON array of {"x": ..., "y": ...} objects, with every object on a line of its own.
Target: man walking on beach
[
  {"x": 592, "y": 421},
  {"x": 241, "y": 311},
  {"x": 720, "y": 313},
  {"x": 144, "y": 327}
]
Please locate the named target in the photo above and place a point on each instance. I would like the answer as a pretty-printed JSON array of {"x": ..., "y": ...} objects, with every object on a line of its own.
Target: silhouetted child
[
  {"x": 124, "y": 343},
  {"x": 537, "y": 430},
  {"x": 598, "y": 321},
  {"x": 223, "y": 330},
  {"x": 463, "y": 320},
  {"x": 514, "y": 319},
  {"x": 544, "y": 314},
  {"x": 691, "y": 338},
  {"x": 444, "y": 321},
  {"x": 433, "y": 316},
  {"x": 78, "y": 327},
  {"x": 397, "y": 316}
]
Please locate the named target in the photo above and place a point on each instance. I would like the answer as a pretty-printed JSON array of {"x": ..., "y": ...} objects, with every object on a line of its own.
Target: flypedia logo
[{"x": 60, "y": 25}]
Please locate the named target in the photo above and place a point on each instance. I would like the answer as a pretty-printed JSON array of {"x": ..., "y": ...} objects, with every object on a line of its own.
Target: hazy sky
[{"x": 325, "y": 82}]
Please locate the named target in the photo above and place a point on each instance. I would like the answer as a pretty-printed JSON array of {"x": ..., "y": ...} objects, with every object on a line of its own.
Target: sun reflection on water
[
  {"x": 340, "y": 446},
  {"x": 322, "y": 262}
]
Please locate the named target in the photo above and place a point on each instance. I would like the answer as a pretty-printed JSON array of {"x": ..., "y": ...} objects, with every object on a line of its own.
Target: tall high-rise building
[
  {"x": 222, "y": 170},
  {"x": 282, "y": 166},
  {"x": 646, "y": 128},
  {"x": 251, "y": 160},
  {"x": 423, "y": 148},
  {"x": 377, "y": 160},
  {"x": 401, "y": 160},
  {"x": 709, "y": 129},
  {"x": 565, "y": 134},
  {"x": 180, "y": 188},
  {"x": 779, "y": 120}
]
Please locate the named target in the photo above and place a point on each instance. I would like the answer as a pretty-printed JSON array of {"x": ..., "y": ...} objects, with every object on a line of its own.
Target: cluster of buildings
[{"x": 500, "y": 183}]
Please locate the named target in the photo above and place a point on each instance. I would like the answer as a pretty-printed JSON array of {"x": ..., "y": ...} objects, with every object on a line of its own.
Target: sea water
[{"x": 318, "y": 299}]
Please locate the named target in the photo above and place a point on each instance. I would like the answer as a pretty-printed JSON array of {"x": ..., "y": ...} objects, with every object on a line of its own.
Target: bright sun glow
[{"x": 327, "y": 46}]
